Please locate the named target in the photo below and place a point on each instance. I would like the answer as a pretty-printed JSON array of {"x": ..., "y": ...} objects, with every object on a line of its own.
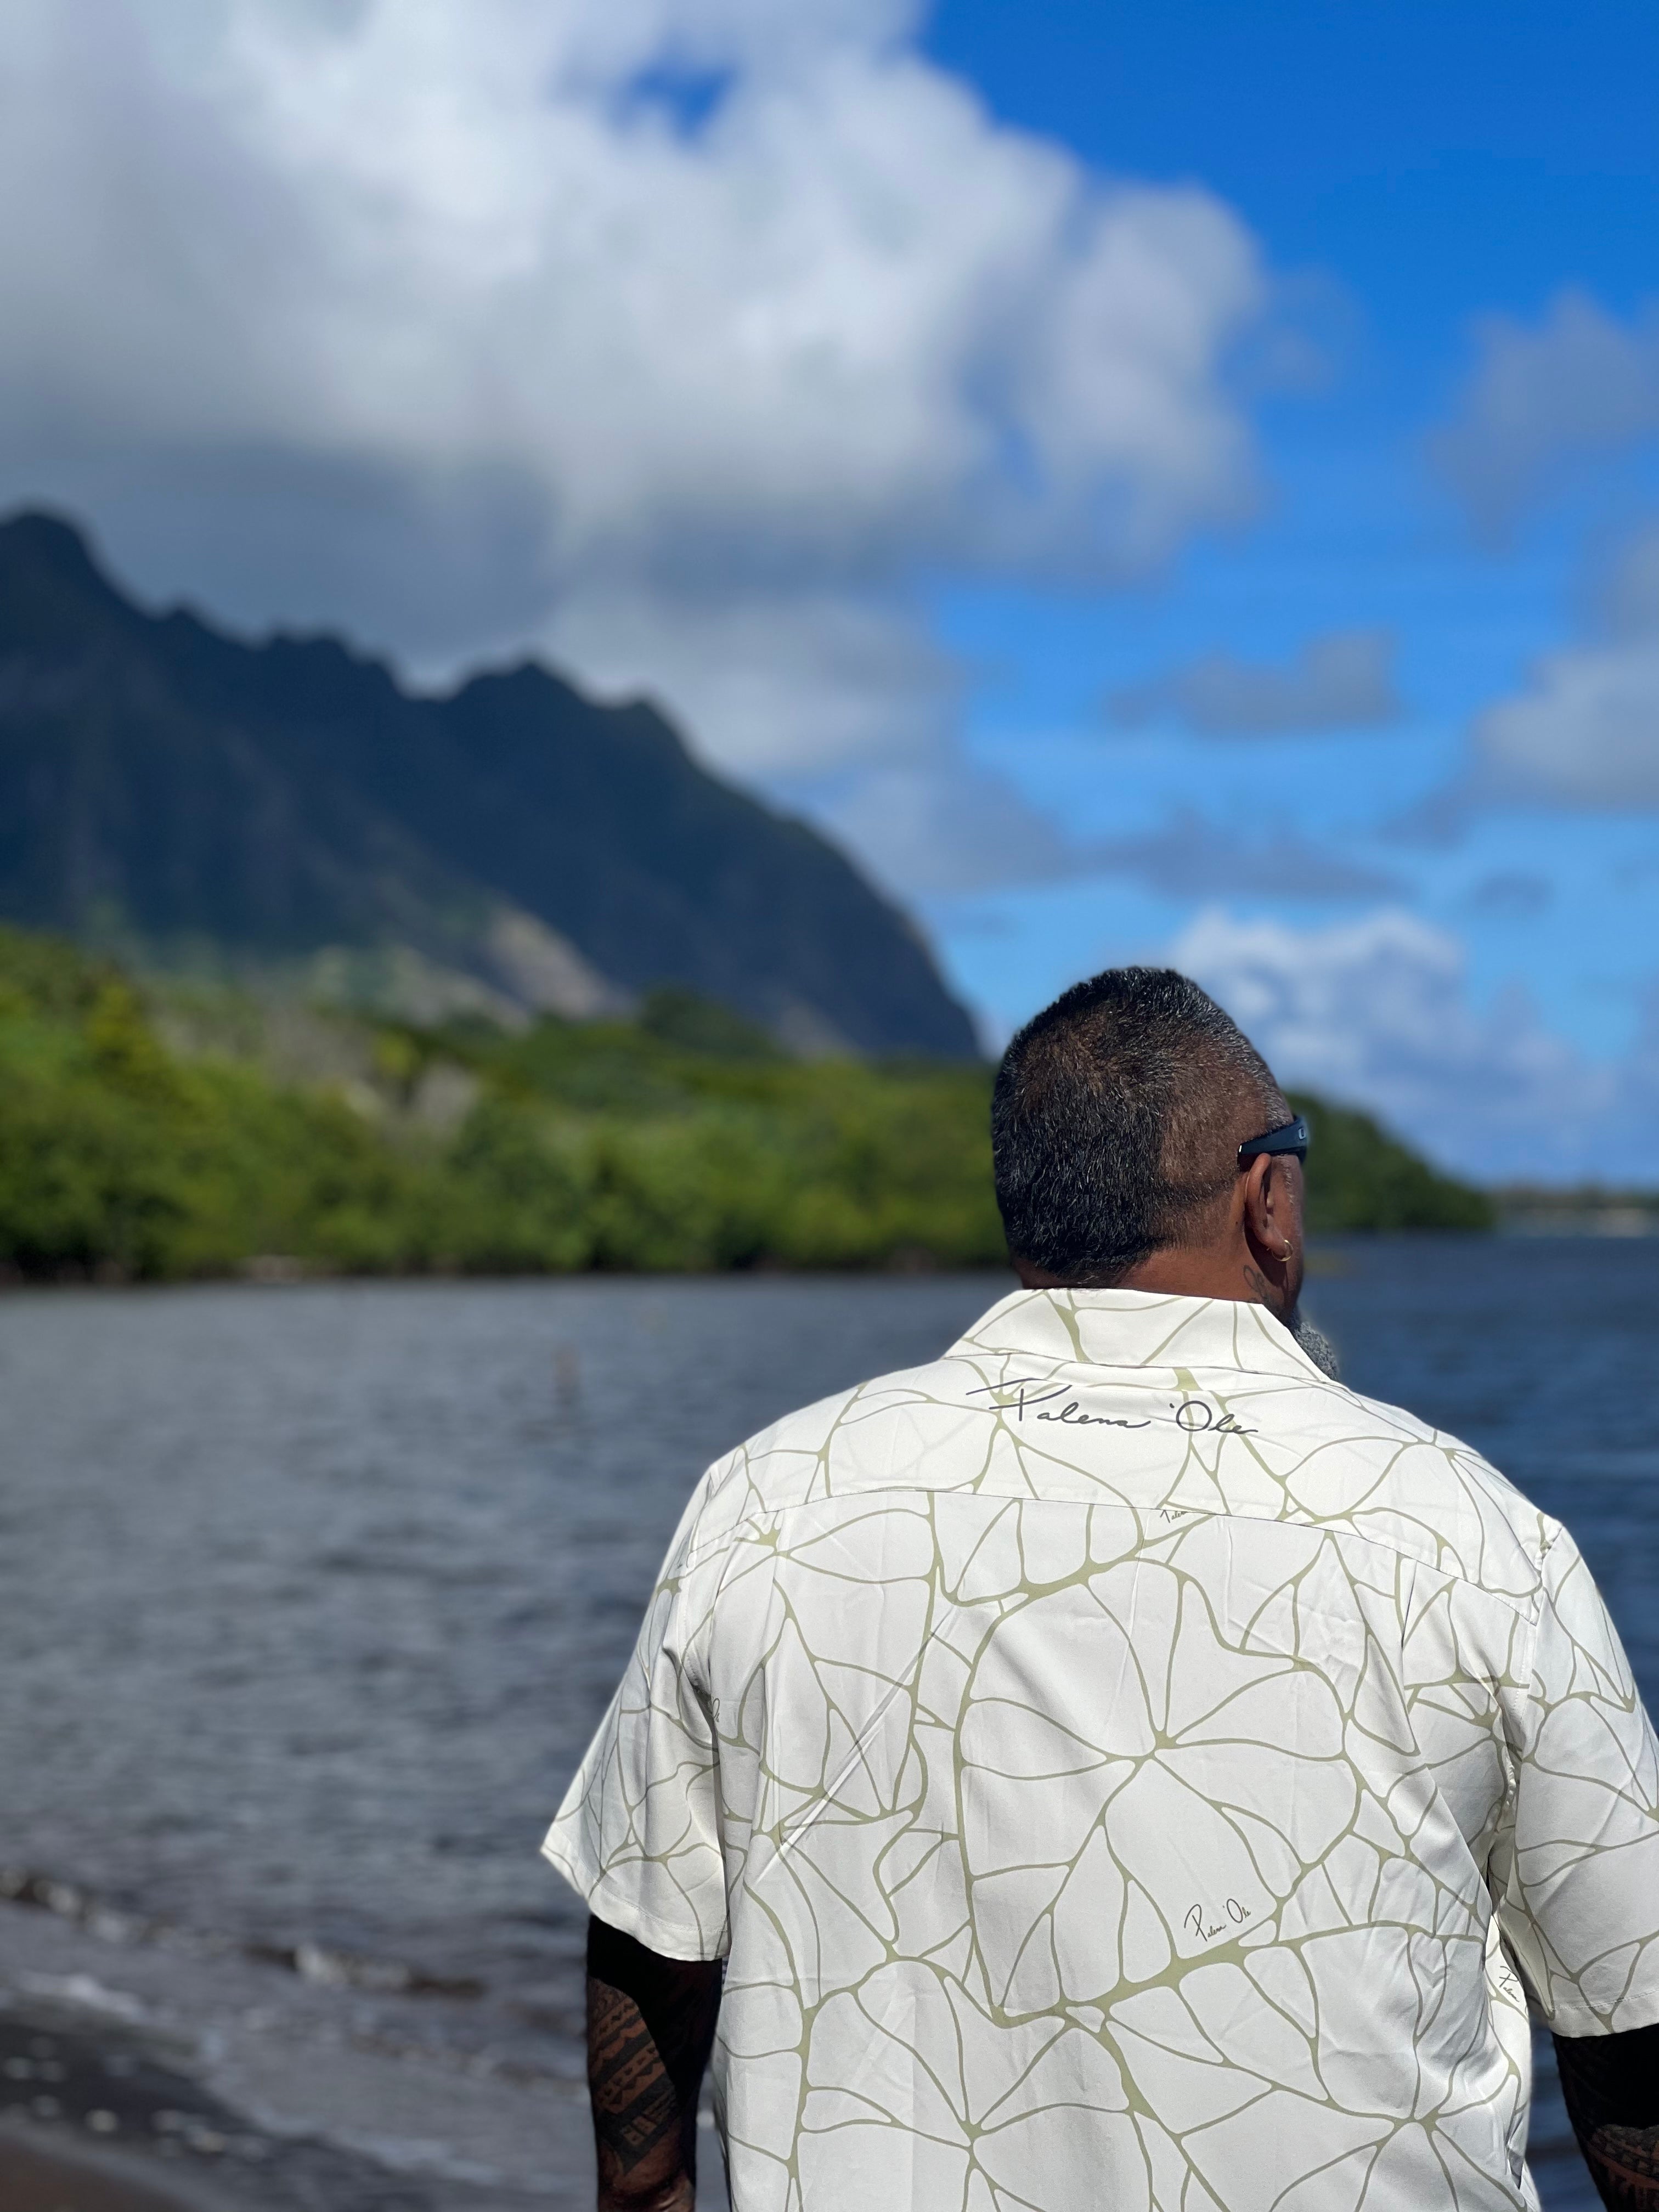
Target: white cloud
[
  {"x": 930, "y": 832},
  {"x": 939, "y": 834},
  {"x": 1511, "y": 894},
  {"x": 449, "y": 319},
  {"x": 1628, "y": 596},
  {"x": 805, "y": 682},
  {"x": 1192, "y": 857},
  {"x": 1377, "y": 1012},
  {"x": 1343, "y": 680},
  {"x": 1578, "y": 384},
  {"x": 1585, "y": 731}
]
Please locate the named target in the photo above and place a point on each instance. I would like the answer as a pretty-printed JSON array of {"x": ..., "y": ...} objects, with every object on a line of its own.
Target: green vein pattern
[{"x": 1122, "y": 1766}]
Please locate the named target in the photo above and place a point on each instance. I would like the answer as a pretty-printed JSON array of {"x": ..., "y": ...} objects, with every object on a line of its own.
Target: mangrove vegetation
[{"x": 152, "y": 1131}]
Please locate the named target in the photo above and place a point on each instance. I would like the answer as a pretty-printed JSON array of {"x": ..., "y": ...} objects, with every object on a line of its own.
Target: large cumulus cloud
[{"x": 687, "y": 338}]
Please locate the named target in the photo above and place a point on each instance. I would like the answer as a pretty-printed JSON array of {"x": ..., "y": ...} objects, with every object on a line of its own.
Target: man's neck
[
  {"x": 1183, "y": 1272},
  {"x": 1208, "y": 1271}
]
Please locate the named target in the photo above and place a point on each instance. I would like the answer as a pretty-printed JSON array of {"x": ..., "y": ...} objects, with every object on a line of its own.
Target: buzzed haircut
[{"x": 1116, "y": 1120}]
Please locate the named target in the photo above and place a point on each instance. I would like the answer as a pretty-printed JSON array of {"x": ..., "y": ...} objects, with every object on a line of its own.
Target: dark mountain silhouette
[{"x": 171, "y": 790}]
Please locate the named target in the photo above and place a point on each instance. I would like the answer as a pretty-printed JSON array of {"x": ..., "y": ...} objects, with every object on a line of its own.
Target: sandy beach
[{"x": 46, "y": 2177}]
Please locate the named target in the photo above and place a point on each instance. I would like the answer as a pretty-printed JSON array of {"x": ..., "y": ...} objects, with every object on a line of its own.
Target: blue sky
[
  {"x": 1176, "y": 484},
  {"x": 1407, "y": 171}
]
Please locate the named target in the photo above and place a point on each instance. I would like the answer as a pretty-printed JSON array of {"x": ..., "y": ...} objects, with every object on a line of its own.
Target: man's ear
[{"x": 1273, "y": 1206}]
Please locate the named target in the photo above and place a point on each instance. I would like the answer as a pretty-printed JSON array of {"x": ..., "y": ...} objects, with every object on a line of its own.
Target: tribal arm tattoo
[
  {"x": 650, "y": 2029},
  {"x": 1611, "y": 2085}
]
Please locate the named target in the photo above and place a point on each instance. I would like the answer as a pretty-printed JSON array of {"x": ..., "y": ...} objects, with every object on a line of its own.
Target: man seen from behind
[{"x": 1116, "y": 1764}]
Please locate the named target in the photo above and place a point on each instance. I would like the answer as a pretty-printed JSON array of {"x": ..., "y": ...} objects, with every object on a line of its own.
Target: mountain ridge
[{"x": 184, "y": 795}]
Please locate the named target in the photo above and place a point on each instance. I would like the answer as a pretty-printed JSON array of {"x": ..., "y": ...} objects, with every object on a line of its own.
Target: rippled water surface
[{"x": 309, "y": 1597}]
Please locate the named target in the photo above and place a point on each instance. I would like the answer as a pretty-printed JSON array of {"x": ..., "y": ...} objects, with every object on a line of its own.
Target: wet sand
[
  {"x": 105, "y": 2112},
  {"x": 112, "y": 2099},
  {"x": 96, "y": 2119},
  {"x": 44, "y": 2176}
]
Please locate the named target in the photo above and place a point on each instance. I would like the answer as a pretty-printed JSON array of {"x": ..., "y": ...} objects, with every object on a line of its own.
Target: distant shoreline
[
  {"x": 1618, "y": 1223},
  {"x": 1539, "y": 1217}
]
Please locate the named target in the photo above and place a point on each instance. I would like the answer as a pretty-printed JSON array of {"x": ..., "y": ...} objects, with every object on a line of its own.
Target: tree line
[{"x": 682, "y": 1141}]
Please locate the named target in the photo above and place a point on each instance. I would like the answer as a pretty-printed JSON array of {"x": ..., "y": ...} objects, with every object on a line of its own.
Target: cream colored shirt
[{"x": 1123, "y": 1767}]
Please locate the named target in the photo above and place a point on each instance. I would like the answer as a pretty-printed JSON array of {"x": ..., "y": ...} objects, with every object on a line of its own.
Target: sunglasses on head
[{"x": 1288, "y": 1137}]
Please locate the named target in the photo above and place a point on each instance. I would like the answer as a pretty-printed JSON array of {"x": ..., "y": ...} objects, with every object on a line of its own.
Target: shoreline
[
  {"x": 149, "y": 2069},
  {"x": 1608, "y": 1226},
  {"x": 13, "y": 1283}
]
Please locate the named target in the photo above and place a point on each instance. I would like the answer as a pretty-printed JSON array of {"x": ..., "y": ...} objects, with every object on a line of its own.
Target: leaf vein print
[{"x": 1245, "y": 1787}]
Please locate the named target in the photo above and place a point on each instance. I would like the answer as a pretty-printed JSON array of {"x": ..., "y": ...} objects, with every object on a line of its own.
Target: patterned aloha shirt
[{"x": 1121, "y": 1767}]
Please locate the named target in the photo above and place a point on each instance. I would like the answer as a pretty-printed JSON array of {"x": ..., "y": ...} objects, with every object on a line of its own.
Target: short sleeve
[
  {"x": 1581, "y": 1908},
  {"x": 638, "y": 1833}
]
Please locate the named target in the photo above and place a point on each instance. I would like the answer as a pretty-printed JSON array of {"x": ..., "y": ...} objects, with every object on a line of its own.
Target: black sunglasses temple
[{"x": 1288, "y": 1137}]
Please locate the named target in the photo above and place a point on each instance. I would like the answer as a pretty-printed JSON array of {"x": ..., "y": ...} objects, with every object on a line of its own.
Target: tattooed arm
[
  {"x": 650, "y": 2027},
  {"x": 1611, "y": 2084}
]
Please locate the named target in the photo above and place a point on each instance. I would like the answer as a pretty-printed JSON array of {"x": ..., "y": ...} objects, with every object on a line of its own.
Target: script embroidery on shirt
[
  {"x": 1206, "y": 1925},
  {"x": 1071, "y": 1413},
  {"x": 1196, "y": 1415}
]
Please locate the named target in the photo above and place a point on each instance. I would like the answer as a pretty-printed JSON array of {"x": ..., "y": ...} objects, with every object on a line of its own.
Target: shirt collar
[{"x": 1137, "y": 1329}]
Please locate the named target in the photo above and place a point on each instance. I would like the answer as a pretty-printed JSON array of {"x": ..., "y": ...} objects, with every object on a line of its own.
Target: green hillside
[
  {"x": 149, "y": 1133},
  {"x": 1360, "y": 1177}
]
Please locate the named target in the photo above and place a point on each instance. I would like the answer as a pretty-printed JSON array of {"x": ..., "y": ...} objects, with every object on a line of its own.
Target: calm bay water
[{"x": 309, "y": 1598}]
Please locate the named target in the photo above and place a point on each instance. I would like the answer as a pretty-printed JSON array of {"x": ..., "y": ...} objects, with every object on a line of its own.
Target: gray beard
[{"x": 1318, "y": 1345}]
